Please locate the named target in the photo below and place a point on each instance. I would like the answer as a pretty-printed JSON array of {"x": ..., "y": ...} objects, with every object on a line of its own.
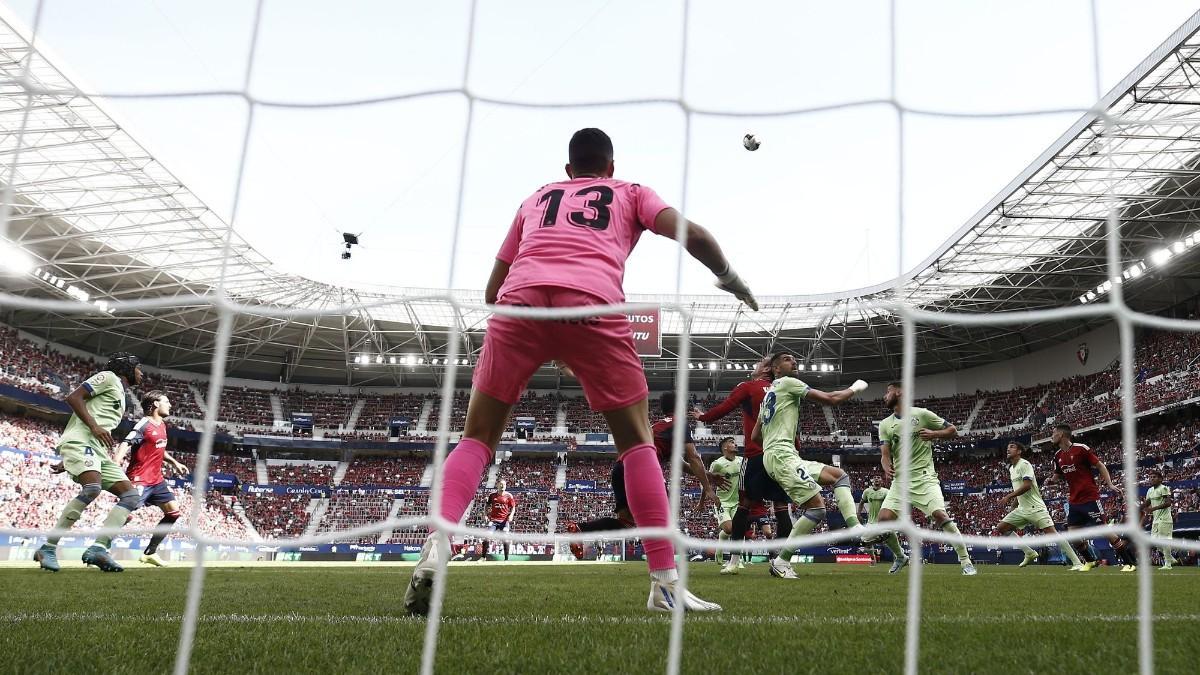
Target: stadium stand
[
  {"x": 349, "y": 510},
  {"x": 299, "y": 473},
  {"x": 379, "y": 409},
  {"x": 277, "y": 516},
  {"x": 385, "y": 471},
  {"x": 329, "y": 410},
  {"x": 532, "y": 472}
]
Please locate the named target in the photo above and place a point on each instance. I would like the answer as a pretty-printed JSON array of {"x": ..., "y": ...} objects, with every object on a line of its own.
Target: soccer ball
[{"x": 750, "y": 142}]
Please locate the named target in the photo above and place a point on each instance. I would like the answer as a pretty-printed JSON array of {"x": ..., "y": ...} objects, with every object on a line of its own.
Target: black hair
[
  {"x": 1020, "y": 447},
  {"x": 779, "y": 355},
  {"x": 1066, "y": 429},
  {"x": 590, "y": 151},
  {"x": 123, "y": 364},
  {"x": 666, "y": 403},
  {"x": 727, "y": 438},
  {"x": 894, "y": 385}
]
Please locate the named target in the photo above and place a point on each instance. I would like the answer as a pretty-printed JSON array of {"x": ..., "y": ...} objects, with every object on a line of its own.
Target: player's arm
[
  {"x": 178, "y": 465},
  {"x": 885, "y": 460},
  {"x": 935, "y": 428},
  {"x": 1026, "y": 486},
  {"x": 731, "y": 403},
  {"x": 702, "y": 246},
  {"x": 695, "y": 466},
  {"x": 76, "y": 399},
  {"x": 1168, "y": 500},
  {"x": 1104, "y": 474},
  {"x": 756, "y": 433},
  {"x": 495, "y": 281},
  {"x": 512, "y": 513},
  {"x": 133, "y": 439},
  {"x": 836, "y": 398},
  {"x": 504, "y": 260}
]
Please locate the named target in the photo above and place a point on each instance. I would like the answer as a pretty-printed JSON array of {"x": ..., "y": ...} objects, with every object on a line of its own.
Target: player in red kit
[
  {"x": 1073, "y": 462},
  {"x": 756, "y": 486},
  {"x": 567, "y": 248},
  {"x": 501, "y": 507},
  {"x": 148, "y": 442},
  {"x": 663, "y": 430}
]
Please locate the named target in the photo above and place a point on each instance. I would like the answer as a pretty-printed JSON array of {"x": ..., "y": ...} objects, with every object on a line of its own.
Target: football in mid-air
[{"x": 750, "y": 142}]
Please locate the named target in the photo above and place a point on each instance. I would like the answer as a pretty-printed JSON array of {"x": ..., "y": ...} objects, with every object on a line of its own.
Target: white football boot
[
  {"x": 420, "y": 586},
  {"x": 664, "y": 595},
  {"x": 782, "y": 569},
  {"x": 898, "y": 564}
]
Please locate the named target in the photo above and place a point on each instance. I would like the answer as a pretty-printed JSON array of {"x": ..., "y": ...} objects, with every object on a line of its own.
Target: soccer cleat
[
  {"x": 575, "y": 546},
  {"x": 420, "y": 586},
  {"x": 1165, "y": 567},
  {"x": 782, "y": 569},
  {"x": 47, "y": 558},
  {"x": 741, "y": 566},
  {"x": 152, "y": 559},
  {"x": 898, "y": 564},
  {"x": 1129, "y": 568},
  {"x": 663, "y": 597},
  {"x": 968, "y": 569},
  {"x": 1029, "y": 558},
  {"x": 1089, "y": 565},
  {"x": 100, "y": 557},
  {"x": 1080, "y": 568},
  {"x": 732, "y": 567}
]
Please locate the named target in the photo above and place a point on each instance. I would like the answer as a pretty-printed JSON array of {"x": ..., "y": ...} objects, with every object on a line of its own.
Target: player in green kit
[
  {"x": 924, "y": 488},
  {"x": 800, "y": 479},
  {"x": 1157, "y": 507},
  {"x": 728, "y": 466},
  {"x": 98, "y": 405},
  {"x": 1031, "y": 510},
  {"x": 872, "y": 501}
]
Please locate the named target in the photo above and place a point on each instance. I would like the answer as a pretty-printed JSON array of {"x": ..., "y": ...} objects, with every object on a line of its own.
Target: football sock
[
  {"x": 116, "y": 518},
  {"x": 1081, "y": 547},
  {"x": 1068, "y": 552},
  {"x": 1028, "y": 551},
  {"x": 720, "y": 553},
  {"x": 461, "y": 474},
  {"x": 959, "y": 547},
  {"x": 156, "y": 539},
  {"x": 845, "y": 502},
  {"x": 1124, "y": 553},
  {"x": 805, "y": 525},
  {"x": 893, "y": 544},
  {"x": 648, "y": 502},
  {"x": 741, "y": 523},
  {"x": 74, "y": 510},
  {"x": 602, "y": 524},
  {"x": 783, "y": 523}
]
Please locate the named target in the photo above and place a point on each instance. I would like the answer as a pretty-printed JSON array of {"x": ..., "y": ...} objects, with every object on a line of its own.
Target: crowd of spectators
[
  {"x": 277, "y": 516},
  {"x": 530, "y": 472},
  {"x": 385, "y": 471},
  {"x": 350, "y": 510},
  {"x": 329, "y": 410},
  {"x": 379, "y": 409},
  {"x": 301, "y": 473}
]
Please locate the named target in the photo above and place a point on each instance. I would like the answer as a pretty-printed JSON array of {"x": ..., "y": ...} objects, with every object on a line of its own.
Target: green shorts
[
  {"x": 79, "y": 458},
  {"x": 1019, "y": 518},
  {"x": 798, "y": 477},
  {"x": 1163, "y": 530},
  {"x": 924, "y": 494},
  {"x": 723, "y": 513}
]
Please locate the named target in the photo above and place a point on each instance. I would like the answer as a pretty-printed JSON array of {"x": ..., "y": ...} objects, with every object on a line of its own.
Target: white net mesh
[{"x": 30, "y": 81}]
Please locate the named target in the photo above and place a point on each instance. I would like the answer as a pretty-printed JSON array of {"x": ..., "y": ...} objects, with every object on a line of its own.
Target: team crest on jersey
[{"x": 1082, "y": 353}]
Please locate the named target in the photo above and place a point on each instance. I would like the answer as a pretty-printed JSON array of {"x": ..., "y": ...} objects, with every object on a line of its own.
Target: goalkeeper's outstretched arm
[{"x": 702, "y": 246}]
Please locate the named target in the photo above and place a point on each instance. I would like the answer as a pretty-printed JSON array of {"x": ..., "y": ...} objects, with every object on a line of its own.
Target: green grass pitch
[{"x": 590, "y": 618}]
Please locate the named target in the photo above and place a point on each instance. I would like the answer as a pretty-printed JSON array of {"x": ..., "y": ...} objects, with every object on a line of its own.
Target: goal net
[{"x": 1105, "y": 137}]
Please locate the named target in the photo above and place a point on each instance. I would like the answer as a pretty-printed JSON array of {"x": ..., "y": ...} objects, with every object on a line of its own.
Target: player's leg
[
  {"x": 838, "y": 480},
  {"x": 724, "y": 529},
  {"x": 1066, "y": 548},
  {"x": 799, "y": 480},
  {"x": 75, "y": 461},
  {"x": 945, "y": 523},
  {"x": 889, "y": 512},
  {"x": 1164, "y": 531},
  {"x": 513, "y": 349},
  {"x": 170, "y": 510},
  {"x": 1009, "y": 525},
  {"x": 741, "y": 519}
]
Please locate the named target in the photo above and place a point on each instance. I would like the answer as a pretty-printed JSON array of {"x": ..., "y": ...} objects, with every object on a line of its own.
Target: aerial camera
[{"x": 349, "y": 240}]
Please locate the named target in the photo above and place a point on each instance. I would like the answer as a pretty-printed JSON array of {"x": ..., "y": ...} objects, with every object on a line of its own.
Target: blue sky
[{"x": 814, "y": 210}]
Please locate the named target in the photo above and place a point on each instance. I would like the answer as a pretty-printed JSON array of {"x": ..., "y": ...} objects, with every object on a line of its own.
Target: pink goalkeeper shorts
[{"x": 598, "y": 348}]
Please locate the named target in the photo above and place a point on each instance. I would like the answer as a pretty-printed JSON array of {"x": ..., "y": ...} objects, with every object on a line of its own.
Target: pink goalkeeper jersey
[{"x": 577, "y": 234}]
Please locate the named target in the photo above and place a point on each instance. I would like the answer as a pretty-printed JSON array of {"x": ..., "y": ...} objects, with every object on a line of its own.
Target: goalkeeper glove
[{"x": 730, "y": 282}]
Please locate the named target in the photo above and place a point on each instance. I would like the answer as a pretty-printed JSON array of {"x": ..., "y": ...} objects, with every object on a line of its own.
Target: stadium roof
[{"x": 101, "y": 215}]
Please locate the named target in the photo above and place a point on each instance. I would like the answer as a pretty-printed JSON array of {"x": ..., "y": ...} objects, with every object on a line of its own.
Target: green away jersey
[
  {"x": 874, "y": 499},
  {"x": 106, "y": 405},
  {"x": 731, "y": 469},
  {"x": 780, "y": 413},
  {"x": 1032, "y": 498},
  {"x": 922, "y": 450},
  {"x": 1159, "y": 495}
]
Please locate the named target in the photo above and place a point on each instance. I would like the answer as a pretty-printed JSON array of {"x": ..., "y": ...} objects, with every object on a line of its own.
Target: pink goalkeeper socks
[
  {"x": 461, "y": 473},
  {"x": 648, "y": 502}
]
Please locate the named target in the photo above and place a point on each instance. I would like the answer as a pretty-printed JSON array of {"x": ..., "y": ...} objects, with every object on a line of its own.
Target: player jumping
[
  {"x": 502, "y": 507},
  {"x": 1157, "y": 507},
  {"x": 800, "y": 479},
  {"x": 664, "y": 434},
  {"x": 924, "y": 488},
  {"x": 1073, "y": 462},
  {"x": 756, "y": 487},
  {"x": 148, "y": 439},
  {"x": 567, "y": 247},
  {"x": 97, "y": 407},
  {"x": 728, "y": 466},
  {"x": 1031, "y": 510}
]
